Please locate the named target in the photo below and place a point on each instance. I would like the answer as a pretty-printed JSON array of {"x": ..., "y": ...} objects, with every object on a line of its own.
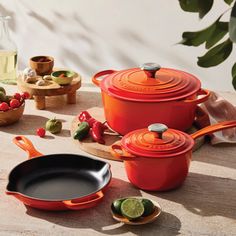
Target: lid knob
[
  {"x": 158, "y": 128},
  {"x": 150, "y": 68}
]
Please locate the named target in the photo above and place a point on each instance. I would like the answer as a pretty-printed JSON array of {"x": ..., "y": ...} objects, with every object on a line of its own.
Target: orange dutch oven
[
  {"x": 138, "y": 97},
  {"x": 158, "y": 158}
]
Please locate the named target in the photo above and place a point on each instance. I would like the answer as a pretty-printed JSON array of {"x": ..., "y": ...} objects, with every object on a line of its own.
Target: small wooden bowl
[
  {"x": 43, "y": 65},
  {"x": 142, "y": 220},
  {"x": 11, "y": 116}
]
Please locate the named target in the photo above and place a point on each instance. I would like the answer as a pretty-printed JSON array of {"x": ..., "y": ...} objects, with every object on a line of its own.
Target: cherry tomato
[
  {"x": 25, "y": 95},
  {"x": 4, "y": 106},
  {"x": 14, "y": 103},
  {"x": 41, "y": 132},
  {"x": 17, "y": 96}
]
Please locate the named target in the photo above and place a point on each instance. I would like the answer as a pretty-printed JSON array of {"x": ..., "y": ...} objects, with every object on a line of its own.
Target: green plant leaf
[
  {"x": 228, "y": 1},
  {"x": 219, "y": 31},
  {"x": 234, "y": 75},
  {"x": 189, "y": 5},
  {"x": 216, "y": 55},
  {"x": 204, "y": 6},
  {"x": 211, "y": 35},
  {"x": 198, "y": 37},
  {"x": 232, "y": 24},
  {"x": 200, "y": 6}
]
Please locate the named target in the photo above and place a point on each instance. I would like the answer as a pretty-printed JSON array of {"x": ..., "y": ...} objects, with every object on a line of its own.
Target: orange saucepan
[
  {"x": 137, "y": 97},
  {"x": 58, "y": 181},
  {"x": 158, "y": 158}
]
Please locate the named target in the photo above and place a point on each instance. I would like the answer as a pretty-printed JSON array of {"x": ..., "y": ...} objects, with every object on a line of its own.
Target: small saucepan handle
[
  {"x": 115, "y": 147},
  {"x": 213, "y": 128},
  {"x": 206, "y": 93},
  {"x": 95, "y": 79},
  {"x": 84, "y": 204},
  {"x": 27, "y": 146}
]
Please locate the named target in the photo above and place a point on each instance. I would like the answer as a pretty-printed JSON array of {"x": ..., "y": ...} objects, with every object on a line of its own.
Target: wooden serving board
[
  {"x": 103, "y": 151},
  {"x": 94, "y": 148},
  {"x": 50, "y": 89}
]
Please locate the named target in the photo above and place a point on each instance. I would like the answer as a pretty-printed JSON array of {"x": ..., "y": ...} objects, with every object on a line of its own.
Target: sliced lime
[
  {"x": 132, "y": 208},
  {"x": 149, "y": 207}
]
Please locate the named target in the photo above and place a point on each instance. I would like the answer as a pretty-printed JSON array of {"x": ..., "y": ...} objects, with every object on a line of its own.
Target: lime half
[{"x": 132, "y": 208}]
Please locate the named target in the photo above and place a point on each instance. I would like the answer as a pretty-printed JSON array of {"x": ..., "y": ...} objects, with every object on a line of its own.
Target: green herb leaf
[
  {"x": 189, "y": 5},
  {"x": 216, "y": 55},
  {"x": 228, "y": 1},
  {"x": 234, "y": 75},
  {"x": 200, "y": 6},
  {"x": 204, "y": 6},
  {"x": 232, "y": 24},
  {"x": 211, "y": 35},
  {"x": 219, "y": 31}
]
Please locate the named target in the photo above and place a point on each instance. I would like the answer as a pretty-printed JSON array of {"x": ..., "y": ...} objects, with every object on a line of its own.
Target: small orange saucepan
[
  {"x": 58, "y": 181},
  {"x": 158, "y": 158}
]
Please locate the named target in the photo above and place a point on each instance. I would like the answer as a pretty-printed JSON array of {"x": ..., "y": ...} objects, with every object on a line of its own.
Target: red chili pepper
[
  {"x": 97, "y": 132},
  {"x": 84, "y": 116},
  {"x": 91, "y": 121}
]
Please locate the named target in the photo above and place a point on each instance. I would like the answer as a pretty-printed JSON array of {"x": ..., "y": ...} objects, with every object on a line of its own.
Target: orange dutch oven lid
[
  {"x": 157, "y": 141},
  {"x": 150, "y": 83}
]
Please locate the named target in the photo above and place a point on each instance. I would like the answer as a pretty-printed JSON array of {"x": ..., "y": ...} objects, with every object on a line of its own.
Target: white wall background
[{"x": 92, "y": 35}]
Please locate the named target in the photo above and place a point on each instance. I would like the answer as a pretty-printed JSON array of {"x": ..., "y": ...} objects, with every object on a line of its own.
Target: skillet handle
[
  {"x": 83, "y": 205},
  {"x": 27, "y": 146},
  {"x": 123, "y": 156},
  {"x": 99, "y": 74},
  {"x": 213, "y": 128},
  {"x": 202, "y": 91}
]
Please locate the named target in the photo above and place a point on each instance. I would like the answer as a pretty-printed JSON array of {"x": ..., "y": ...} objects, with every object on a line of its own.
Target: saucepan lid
[{"x": 157, "y": 141}]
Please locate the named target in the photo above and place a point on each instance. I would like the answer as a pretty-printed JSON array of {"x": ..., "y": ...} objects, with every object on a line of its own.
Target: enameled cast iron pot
[
  {"x": 138, "y": 97},
  {"x": 158, "y": 158},
  {"x": 58, "y": 181}
]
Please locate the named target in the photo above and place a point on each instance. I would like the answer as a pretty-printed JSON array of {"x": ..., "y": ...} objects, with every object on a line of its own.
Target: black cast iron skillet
[{"x": 58, "y": 181}]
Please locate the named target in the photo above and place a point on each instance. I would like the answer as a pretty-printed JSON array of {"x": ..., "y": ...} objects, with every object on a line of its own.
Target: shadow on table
[
  {"x": 28, "y": 125},
  {"x": 225, "y": 155},
  {"x": 85, "y": 100},
  {"x": 205, "y": 195},
  {"x": 100, "y": 219}
]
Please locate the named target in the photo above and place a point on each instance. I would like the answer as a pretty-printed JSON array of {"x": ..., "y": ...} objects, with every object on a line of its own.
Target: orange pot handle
[
  {"x": 99, "y": 74},
  {"x": 125, "y": 157},
  {"x": 27, "y": 146},
  {"x": 205, "y": 92},
  {"x": 213, "y": 128},
  {"x": 82, "y": 205}
]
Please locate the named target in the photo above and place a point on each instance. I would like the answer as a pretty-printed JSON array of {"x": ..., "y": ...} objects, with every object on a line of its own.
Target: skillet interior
[{"x": 59, "y": 177}]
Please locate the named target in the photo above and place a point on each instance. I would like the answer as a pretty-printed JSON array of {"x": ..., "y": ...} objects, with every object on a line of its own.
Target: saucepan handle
[
  {"x": 99, "y": 74},
  {"x": 213, "y": 128},
  {"x": 120, "y": 155},
  {"x": 202, "y": 91},
  {"x": 86, "y": 204},
  {"x": 27, "y": 146}
]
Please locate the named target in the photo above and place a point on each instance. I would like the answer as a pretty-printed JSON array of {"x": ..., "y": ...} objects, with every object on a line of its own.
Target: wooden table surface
[{"x": 204, "y": 205}]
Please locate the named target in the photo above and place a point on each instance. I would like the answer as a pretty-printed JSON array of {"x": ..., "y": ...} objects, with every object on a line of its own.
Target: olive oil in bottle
[
  {"x": 8, "y": 54},
  {"x": 8, "y": 65}
]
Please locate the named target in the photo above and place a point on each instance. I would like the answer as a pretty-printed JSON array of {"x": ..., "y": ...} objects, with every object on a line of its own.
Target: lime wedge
[
  {"x": 132, "y": 208},
  {"x": 149, "y": 207}
]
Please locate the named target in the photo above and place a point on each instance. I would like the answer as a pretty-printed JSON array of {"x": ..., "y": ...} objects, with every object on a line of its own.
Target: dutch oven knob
[
  {"x": 150, "y": 68},
  {"x": 158, "y": 128}
]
